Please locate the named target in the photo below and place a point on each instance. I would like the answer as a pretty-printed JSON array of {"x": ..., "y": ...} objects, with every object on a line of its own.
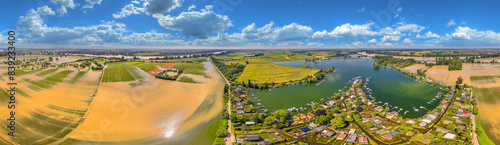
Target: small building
[
  {"x": 240, "y": 112},
  {"x": 439, "y": 129},
  {"x": 456, "y": 103},
  {"x": 243, "y": 96},
  {"x": 320, "y": 128},
  {"x": 395, "y": 132},
  {"x": 366, "y": 116},
  {"x": 373, "y": 128},
  {"x": 327, "y": 133},
  {"x": 352, "y": 138},
  {"x": 303, "y": 117},
  {"x": 313, "y": 125},
  {"x": 341, "y": 136},
  {"x": 352, "y": 131},
  {"x": 310, "y": 117},
  {"x": 447, "y": 122},
  {"x": 387, "y": 136},
  {"x": 238, "y": 100},
  {"x": 363, "y": 140},
  {"x": 382, "y": 131},
  {"x": 250, "y": 123},
  {"x": 449, "y": 136},
  {"x": 410, "y": 122},
  {"x": 305, "y": 129},
  {"x": 253, "y": 137}
]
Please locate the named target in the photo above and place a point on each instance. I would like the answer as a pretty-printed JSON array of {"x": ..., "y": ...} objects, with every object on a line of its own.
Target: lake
[{"x": 389, "y": 86}]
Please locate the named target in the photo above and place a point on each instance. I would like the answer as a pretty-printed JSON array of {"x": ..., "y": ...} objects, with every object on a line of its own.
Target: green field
[
  {"x": 148, "y": 66},
  {"x": 270, "y": 56},
  {"x": 262, "y": 73},
  {"x": 187, "y": 80},
  {"x": 118, "y": 72},
  {"x": 43, "y": 73},
  {"x": 191, "y": 68}
]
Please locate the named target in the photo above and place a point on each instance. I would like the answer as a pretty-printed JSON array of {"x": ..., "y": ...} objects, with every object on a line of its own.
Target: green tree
[
  {"x": 280, "y": 113},
  {"x": 321, "y": 120},
  {"x": 358, "y": 102},
  {"x": 459, "y": 80},
  {"x": 338, "y": 122},
  {"x": 269, "y": 120}
]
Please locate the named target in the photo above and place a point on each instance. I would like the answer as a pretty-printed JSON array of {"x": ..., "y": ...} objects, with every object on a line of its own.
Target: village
[{"x": 352, "y": 116}]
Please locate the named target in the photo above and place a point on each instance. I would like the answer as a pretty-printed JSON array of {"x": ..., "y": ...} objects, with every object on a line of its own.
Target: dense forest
[
  {"x": 231, "y": 71},
  {"x": 453, "y": 64},
  {"x": 389, "y": 60}
]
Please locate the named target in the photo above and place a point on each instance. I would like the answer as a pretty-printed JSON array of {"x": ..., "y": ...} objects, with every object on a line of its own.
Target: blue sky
[{"x": 252, "y": 23}]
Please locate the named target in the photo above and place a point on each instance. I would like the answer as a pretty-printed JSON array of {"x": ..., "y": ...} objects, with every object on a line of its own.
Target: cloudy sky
[{"x": 252, "y": 23}]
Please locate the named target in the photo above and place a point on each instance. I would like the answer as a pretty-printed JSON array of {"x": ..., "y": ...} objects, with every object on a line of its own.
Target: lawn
[
  {"x": 262, "y": 73},
  {"x": 191, "y": 68},
  {"x": 118, "y": 72}
]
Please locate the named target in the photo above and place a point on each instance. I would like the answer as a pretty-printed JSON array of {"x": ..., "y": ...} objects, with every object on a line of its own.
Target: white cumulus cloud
[
  {"x": 66, "y": 3},
  {"x": 451, "y": 23},
  {"x": 197, "y": 24},
  {"x": 427, "y": 35},
  {"x": 127, "y": 11},
  {"x": 390, "y": 38},
  {"x": 347, "y": 31},
  {"x": 45, "y": 10}
]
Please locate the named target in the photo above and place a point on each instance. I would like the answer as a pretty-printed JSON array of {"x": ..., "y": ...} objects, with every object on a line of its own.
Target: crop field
[
  {"x": 489, "y": 106},
  {"x": 191, "y": 68},
  {"x": 119, "y": 72},
  {"x": 261, "y": 73},
  {"x": 148, "y": 66},
  {"x": 269, "y": 56},
  {"x": 43, "y": 73},
  {"x": 51, "y": 80},
  {"x": 25, "y": 71},
  {"x": 78, "y": 75}
]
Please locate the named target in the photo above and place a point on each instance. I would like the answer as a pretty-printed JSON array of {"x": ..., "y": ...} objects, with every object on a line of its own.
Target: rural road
[
  {"x": 231, "y": 138},
  {"x": 474, "y": 134}
]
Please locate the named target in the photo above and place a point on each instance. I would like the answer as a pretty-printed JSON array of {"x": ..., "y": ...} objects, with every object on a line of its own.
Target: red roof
[
  {"x": 363, "y": 139},
  {"x": 335, "y": 101},
  {"x": 341, "y": 136},
  {"x": 309, "y": 116},
  {"x": 445, "y": 103}
]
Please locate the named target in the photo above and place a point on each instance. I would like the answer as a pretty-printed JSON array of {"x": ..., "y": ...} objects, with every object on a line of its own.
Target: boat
[{"x": 415, "y": 109}]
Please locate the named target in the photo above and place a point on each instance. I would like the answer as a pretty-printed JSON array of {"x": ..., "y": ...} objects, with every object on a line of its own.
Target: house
[
  {"x": 240, "y": 112},
  {"x": 382, "y": 131},
  {"x": 250, "y": 123},
  {"x": 305, "y": 129},
  {"x": 366, "y": 116},
  {"x": 352, "y": 138},
  {"x": 313, "y": 125},
  {"x": 253, "y": 137},
  {"x": 456, "y": 103},
  {"x": 460, "y": 114},
  {"x": 449, "y": 136},
  {"x": 352, "y": 131},
  {"x": 410, "y": 122},
  {"x": 238, "y": 89},
  {"x": 447, "y": 122},
  {"x": 320, "y": 128},
  {"x": 395, "y": 132},
  {"x": 341, "y": 136},
  {"x": 303, "y": 117},
  {"x": 310, "y": 117},
  {"x": 363, "y": 140},
  {"x": 461, "y": 127},
  {"x": 439, "y": 129},
  {"x": 426, "y": 120},
  {"x": 430, "y": 116},
  {"x": 387, "y": 136},
  {"x": 243, "y": 96},
  {"x": 373, "y": 128},
  {"x": 238, "y": 100},
  {"x": 327, "y": 133},
  {"x": 333, "y": 127}
]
